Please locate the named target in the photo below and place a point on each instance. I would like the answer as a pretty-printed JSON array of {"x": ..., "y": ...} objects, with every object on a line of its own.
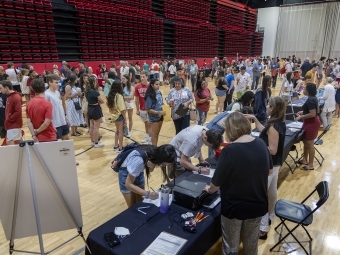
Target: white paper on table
[
  {"x": 165, "y": 244},
  {"x": 211, "y": 174},
  {"x": 156, "y": 202},
  {"x": 295, "y": 124},
  {"x": 294, "y": 129},
  {"x": 256, "y": 134}
]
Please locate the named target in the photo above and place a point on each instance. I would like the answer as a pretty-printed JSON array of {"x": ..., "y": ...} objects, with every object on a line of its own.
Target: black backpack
[{"x": 118, "y": 161}]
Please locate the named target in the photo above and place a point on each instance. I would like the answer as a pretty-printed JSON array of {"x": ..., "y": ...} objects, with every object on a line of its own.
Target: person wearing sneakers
[
  {"x": 52, "y": 95},
  {"x": 94, "y": 113},
  {"x": 116, "y": 105},
  {"x": 13, "y": 113},
  {"x": 39, "y": 115},
  {"x": 140, "y": 90}
]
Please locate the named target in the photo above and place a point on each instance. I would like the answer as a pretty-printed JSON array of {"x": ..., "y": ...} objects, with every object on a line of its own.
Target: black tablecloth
[
  {"x": 290, "y": 139},
  {"x": 148, "y": 227}
]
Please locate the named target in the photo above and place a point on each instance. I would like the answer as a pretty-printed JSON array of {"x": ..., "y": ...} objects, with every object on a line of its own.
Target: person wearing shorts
[
  {"x": 52, "y": 95},
  {"x": 94, "y": 112},
  {"x": 131, "y": 173},
  {"x": 140, "y": 90},
  {"x": 13, "y": 113},
  {"x": 128, "y": 93}
]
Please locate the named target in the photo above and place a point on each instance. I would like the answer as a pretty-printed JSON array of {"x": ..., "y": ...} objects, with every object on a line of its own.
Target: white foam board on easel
[{"x": 59, "y": 158}]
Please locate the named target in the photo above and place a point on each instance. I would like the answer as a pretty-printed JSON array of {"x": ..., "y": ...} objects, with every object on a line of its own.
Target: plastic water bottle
[{"x": 164, "y": 197}]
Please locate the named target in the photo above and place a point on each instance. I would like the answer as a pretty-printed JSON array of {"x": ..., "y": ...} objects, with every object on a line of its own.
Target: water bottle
[{"x": 164, "y": 197}]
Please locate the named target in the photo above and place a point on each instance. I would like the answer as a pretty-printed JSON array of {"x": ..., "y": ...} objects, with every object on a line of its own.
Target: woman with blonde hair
[
  {"x": 242, "y": 176},
  {"x": 25, "y": 90},
  {"x": 273, "y": 134}
]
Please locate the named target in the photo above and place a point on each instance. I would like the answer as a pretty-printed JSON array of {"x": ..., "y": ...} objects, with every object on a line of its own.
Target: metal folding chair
[
  {"x": 300, "y": 214},
  {"x": 319, "y": 141},
  {"x": 293, "y": 148}
]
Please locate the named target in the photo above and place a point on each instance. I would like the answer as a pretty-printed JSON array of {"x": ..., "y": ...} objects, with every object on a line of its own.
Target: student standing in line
[
  {"x": 115, "y": 102},
  {"x": 52, "y": 95},
  {"x": 39, "y": 115},
  {"x": 202, "y": 98},
  {"x": 140, "y": 90},
  {"x": 13, "y": 113},
  {"x": 95, "y": 112},
  {"x": 153, "y": 105},
  {"x": 129, "y": 93}
]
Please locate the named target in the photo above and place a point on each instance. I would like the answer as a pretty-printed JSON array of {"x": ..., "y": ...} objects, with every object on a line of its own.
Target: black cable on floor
[{"x": 84, "y": 151}]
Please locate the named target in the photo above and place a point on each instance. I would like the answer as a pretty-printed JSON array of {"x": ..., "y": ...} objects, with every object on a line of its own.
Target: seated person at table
[
  {"x": 242, "y": 176},
  {"x": 131, "y": 172},
  {"x": 311, "y": 125},
  {"x": 188, "y": 143},
  {"x": 273, "y": 134}
]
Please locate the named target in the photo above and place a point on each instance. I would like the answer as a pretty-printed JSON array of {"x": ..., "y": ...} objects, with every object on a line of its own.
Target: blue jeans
[
  {"x": 182, "y": 123},
  {"x": 202, "y": 116},
  {"x": 122, "y": 175},
  {"x": 193, "y": 79},
  {"x": 255, "y": 82},
  {"x": 156, "y": 75}
]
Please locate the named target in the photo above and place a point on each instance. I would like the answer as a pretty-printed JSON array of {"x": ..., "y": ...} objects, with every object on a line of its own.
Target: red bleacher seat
[
  {"x": 27, "y": 57},
  {"x": 17, "y": 57},
  {"x": 6, "y": 57}
]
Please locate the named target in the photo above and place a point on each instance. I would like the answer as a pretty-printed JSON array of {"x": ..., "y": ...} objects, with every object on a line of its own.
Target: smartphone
[{"x": 111, "y": 239}]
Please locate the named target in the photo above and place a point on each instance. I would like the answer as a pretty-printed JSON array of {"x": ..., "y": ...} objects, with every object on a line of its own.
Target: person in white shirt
[
  {"x": 124, "y": 70},
  {"x": 13, "y": 76},
  {"x": 289, "y": 66},
  {"x": 155, "y": 69},
  {"x": 188, "y": 143},
  {"x": 242, "y": 81},
  {"x": 329, "y": 106},
  {"x": 172, "y": 70},
  {"x": 58, "y": 115}
]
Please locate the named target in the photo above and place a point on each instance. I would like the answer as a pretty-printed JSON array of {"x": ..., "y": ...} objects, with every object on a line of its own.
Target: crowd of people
[{"x": 64, "y": 99}]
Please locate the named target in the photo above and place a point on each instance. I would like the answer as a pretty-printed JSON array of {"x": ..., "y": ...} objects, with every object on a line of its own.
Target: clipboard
[
  {"x": 166, "y": 244},
  {"x": 181, "y": 111}
]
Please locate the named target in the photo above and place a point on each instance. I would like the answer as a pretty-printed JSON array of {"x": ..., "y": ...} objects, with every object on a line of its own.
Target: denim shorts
[
  {"x": 220, "y": 93},
  {"x": 122, "y": 175},
  {"x": 120, "y": 118}
]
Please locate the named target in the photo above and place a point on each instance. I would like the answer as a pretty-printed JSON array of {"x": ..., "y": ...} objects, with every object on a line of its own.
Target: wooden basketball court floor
[{"x": 101, "y": 199}]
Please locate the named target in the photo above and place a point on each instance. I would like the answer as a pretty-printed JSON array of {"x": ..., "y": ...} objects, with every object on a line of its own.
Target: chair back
[
  {"x": 318, "y": 140},
  {"x": 322, "y": 189}
]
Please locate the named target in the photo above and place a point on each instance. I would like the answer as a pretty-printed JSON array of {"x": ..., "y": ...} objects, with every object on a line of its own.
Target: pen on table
[
  {"x": 203, "y": 218},
  {"x": 152, "y": 189}
]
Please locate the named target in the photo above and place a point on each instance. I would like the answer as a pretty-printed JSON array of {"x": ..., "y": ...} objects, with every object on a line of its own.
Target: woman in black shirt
[
  {"x": 311, "y": 125},
  {"x": 242, "y": 175},
  {"x": 220, "y": 91},
  {"x": 273, "y": 134},
  {"x": 94, "y": 113}
]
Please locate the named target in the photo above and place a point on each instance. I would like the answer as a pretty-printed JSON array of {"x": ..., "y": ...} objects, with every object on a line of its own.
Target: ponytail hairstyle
[
  {"x": 23, "y": 72},
  {"x": 116, "y": 88},
  {"x": 165, "y": 153},
  {"x": 266, "y": 86},
  {"x": 91, "y": 84}
]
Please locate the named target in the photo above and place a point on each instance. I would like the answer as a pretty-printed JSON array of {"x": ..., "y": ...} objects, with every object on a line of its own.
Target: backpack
[
  {"x": 230, "y": 106},
  {"x": 118, "y": 161},
  {"x": 63, "y": 86}
]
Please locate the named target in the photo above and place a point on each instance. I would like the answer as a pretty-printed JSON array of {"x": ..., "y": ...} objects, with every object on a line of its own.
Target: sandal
[
  {"x": 306, "y": 168},
  {"x": 301, "y": 162},
  {"x": 78, "y": 133},
  {"x": 75, "y": 134}
]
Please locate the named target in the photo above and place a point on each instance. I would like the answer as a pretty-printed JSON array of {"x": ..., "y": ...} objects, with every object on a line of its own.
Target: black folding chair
[
  {"x": 300, "y": 214},
  {"x": 319, "y": 141}
]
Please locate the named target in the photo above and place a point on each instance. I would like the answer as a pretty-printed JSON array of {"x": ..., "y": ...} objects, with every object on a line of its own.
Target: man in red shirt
[
  {"x": 39, "y": 115},
  {"x": 140, "y": 90},
  {"x": 13, "y": 113}
]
